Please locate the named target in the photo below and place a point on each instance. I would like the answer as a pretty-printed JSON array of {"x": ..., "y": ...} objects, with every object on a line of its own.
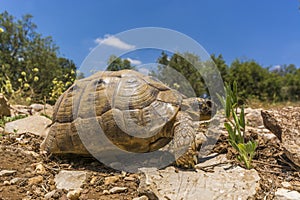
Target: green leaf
[
  {"x": 234, "y": 93},
  {"x": 228, "y": 107},
  {"x": 242, "y": 118},
  {"x": 230, "y": 131}
]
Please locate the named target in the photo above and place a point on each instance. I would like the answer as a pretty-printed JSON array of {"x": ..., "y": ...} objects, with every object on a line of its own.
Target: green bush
[{"x": 31, "y": 69}]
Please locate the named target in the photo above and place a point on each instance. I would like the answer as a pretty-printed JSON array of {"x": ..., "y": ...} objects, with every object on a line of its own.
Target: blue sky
[{"x": 267, "y": 31}]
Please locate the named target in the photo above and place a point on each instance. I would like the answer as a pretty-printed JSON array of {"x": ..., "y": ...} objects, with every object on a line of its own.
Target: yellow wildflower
[{"x": 36, "y": 78}]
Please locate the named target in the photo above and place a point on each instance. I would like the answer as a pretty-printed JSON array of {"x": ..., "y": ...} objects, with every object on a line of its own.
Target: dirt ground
[
  {"x": 24, "y": 157},
  {"x": 21, "y": 153}
]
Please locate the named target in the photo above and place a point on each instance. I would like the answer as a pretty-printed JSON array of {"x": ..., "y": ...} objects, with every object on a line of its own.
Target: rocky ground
[{"x": 27, "y": 174}]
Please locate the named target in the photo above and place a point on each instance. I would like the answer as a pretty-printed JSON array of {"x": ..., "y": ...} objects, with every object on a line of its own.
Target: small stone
[
  {"x": 40, "y": 169},
  {"x": 110, "y": 180},
  {"x": 105, "y": 192},
  {"x": 93, "y": 180},
  {"x": 261, "y": 127},
  {"x": 284, "y": 194},
  {"x": 141, "y": 198},
  {"x": 6, "y": 183},
  {"x": 74, "y": 194},
  {"x": 35, "y": 180},
  {"x": 115, "y": 190},
  {"x": 265, "y": 130},
  {"x": 49, "y": 195},
  {"x": 268, "y": 136},
  {"x": 37, "y": 107},
  {"x": 123, "y": 174},
  {"x": 7, "y": 172},
  {"x": 15, "y": 180},
  {"x": 32, "y": 153},
  {"x": 286, "y": 184},
  {"x": 70, "y": 179},
  {"x": 38, "y": 191},
  {"x": 129, "y": 178}
]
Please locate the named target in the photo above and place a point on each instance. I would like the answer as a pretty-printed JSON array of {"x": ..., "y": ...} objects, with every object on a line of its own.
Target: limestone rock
[
  {"x": 70, "y": 179},
  {"x": 41, "y": 109},
  {"x": 35, "y": 180},
  {"x": 7, "y": 172},
  {"x": 253, "y": 117},
  {"x": 141, "y": 198},
  {"x": 236, "y": 183},
  {"x": 285, "y": 194},
  {"x": 115, "y": 190},
  {"x": 285, "y": 124},
  {"x": 110, "y": 180},
  {"x": 32, "y": 124},
  {"x": 50, "y": 194},
  {"x": 74, "y": 194},
  {"x": 212, "y": 160}
]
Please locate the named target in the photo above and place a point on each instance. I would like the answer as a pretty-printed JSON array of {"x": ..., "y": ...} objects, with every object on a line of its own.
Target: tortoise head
[{"x": 198, "y": 108}]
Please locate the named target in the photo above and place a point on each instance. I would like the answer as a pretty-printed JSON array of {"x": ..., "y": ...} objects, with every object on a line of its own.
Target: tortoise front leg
[{"x": 183, "y": 144}]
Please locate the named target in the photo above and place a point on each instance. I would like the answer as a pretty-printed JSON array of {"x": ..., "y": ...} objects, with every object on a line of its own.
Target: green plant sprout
[{"x": 236, "y": 126}]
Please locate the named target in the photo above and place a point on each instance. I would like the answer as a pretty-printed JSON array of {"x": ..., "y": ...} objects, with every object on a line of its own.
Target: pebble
[
  {"x": 266, "y": 130},
  {"x": 6, "y": 183},
  {"x": 286, "y": 184},
  {"x": 7, "y": 172},
  {"x": 70, "y": 179},
  {"x": 105, "y": 192},
  {"x": 93, "y": 180},
  {"x": 284, "y": 194},
  {"x": 129, "y": 178},
  {"x": 40, "y": 169},
  {"x": 49, "y": 195},
  {"x": 115, "y": 190},
  {"x": 15, "y": 180},
  {"x": 35, "y": 180},
  {"x": 141, "y": 198},
  {"x": 74, "y": 194},
  {"x": 110, "y": 180},
  {"x": 268, "y": 136}
]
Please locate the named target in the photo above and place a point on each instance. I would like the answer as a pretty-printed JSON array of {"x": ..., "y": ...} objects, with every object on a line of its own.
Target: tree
[
  {"x": 250, "y": 77},
  {"x": 179, "y": 73},
  {"x": 221, "y": 65},
  {"x": 115, "y": 64},
  {"x": 29, "y": 63}
]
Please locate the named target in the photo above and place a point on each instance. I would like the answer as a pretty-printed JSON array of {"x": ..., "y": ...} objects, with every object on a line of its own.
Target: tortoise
[
  {"x": 136, "y": 112},
  {"x": 285, "y": 124}
]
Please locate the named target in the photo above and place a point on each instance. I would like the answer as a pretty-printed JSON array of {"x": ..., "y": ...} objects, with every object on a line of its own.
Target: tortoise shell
[{"x": 135, "y": 112}]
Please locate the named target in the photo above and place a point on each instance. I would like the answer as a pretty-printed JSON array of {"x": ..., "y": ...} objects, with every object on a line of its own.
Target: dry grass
[{"x": 254, "y": 103}]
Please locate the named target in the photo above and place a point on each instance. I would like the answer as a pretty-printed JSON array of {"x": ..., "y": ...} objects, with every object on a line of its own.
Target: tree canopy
[{"x": 31, "y": 68}]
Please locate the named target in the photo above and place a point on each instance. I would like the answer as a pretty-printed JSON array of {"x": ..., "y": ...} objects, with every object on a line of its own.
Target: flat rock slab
[
  {"x": 236, "y": 183},
  {"x": 70, "y": 179},
  {"x": 37, "y": 125}
]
